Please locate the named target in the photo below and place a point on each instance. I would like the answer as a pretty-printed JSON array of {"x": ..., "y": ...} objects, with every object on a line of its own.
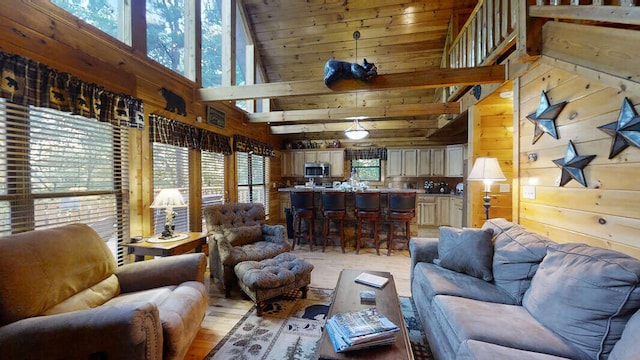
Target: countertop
[{"x": 381, "y": 190}]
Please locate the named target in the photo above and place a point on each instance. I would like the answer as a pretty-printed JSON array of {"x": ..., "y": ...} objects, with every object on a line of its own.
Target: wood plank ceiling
[{"x": 295, "y": 38}]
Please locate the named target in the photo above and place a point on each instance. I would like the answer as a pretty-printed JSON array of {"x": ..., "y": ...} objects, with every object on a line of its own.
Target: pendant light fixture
[{"x": 356, "y": 131}]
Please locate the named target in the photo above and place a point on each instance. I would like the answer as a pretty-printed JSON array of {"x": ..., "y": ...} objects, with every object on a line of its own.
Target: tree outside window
[{"x": 367, "y": 169}]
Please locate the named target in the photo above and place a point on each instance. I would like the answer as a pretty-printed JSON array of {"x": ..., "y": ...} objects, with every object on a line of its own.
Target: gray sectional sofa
[{"x": 502, "y": 292}]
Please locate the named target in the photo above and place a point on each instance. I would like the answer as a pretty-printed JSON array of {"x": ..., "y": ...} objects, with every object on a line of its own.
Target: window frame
[{"x": 357, "y": 167}]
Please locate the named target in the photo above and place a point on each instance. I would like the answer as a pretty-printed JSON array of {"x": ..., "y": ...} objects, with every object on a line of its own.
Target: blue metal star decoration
[
  {"x": 544, "y": 119},
  {"x": 572, "y": 165},
  {"x": 625, "y": 131}
]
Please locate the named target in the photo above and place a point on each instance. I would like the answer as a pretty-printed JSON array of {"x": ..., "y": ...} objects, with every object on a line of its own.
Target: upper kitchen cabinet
[
  {"x": 455, "y": 161},
  {"x": 293, "y": 161},
  {"x": 402, "y": 162}
]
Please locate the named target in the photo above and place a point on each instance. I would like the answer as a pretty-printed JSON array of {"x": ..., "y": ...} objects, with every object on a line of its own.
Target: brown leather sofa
[
  {"x": 238, "y": 234},
  {"x": 62, "y": 296}
]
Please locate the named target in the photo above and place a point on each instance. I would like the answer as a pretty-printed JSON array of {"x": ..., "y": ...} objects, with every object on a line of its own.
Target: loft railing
[{"x": 497, "y": 27}]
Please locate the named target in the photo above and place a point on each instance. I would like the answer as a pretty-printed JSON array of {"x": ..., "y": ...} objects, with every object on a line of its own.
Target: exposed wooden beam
[
  {"x": 405, "y": 81},
  {"x": 341, "y": 126},
  {"x": 336, "y": 114}
]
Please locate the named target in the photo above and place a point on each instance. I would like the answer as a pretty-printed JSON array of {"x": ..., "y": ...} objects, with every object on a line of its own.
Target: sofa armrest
[
  {"x": 423, "y": 250},
  {"x": 171, "y": 270},
  {"x": 274, "y": 233},
  {"x": 124, "y": 331}
]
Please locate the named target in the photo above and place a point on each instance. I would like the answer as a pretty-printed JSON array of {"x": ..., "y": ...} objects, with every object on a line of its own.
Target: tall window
[
  {"x": 171, "y": 34},
  {"x": 171, "y": 171},
  {"x": 211, "y": 18},
  {"x": 367, "y": 170},
  {"x": 110, "y": 16},
  {"x": 58, "y": 168},
  {"x": 212, "y": 165},
  {"x": 253, "y": 179}
]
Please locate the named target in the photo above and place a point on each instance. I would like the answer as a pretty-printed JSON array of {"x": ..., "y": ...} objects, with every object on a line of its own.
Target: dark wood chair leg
[
  {"x": 358, "y": 229},
  {"x": 342, "y": 234},
  {"x": 390, "y": 242},
  {"x": 304, "y": 290},
  {"x": 375, "y": 236},
  {"x": 326, "y": 232},
  {"x": 311, "y": 234}
]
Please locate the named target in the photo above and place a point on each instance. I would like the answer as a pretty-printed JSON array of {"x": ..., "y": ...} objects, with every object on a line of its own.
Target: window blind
[
  {"x": 212, "y": 165},
  {"x": 171, "y": 171},
  {"x": 253, "y": 178},
  {"x": 58, "y": 168}
]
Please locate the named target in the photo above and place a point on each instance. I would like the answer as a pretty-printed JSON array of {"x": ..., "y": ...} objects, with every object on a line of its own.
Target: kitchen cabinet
[
  {"x": 293, "y": 161},
  {"x": 402, "y": 162},
  {"x": 426, "y": 210},
  {"x": 284, "y": 198},
  {"x": 442, "y": 209},
  {"x": 455, "y": 211},
  {"x": 430, "y": 161},
  {"x": 437, "y": 161},
  {"x": 455, "y": 160}
]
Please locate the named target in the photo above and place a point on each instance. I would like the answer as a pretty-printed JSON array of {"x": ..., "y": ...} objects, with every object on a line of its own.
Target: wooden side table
[{"x": 195, "y": 240}]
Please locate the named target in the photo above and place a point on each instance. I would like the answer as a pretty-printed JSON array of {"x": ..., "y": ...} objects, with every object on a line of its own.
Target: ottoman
[{"x": 263, "y": 280}]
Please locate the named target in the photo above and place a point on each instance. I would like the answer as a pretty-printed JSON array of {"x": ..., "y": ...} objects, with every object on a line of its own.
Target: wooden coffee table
[
  {"x": 194, "y": 241},
  {"x": 347, "y": 298}
]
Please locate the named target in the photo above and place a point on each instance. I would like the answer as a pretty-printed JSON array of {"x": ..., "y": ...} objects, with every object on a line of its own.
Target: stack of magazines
[{"x": 360, "y": 329}]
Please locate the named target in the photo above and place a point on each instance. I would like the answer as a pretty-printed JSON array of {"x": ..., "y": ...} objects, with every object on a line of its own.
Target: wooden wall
[
  {"x": 43, "y": 32},
  {"x": 491, "y": 134},
  {"x": 606, "y": 212}
]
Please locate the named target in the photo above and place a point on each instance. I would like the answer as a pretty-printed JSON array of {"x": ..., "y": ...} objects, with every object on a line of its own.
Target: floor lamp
[{"x": 488, "y": 170}]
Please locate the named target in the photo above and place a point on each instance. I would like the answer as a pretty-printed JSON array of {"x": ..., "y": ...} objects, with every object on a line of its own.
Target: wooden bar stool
[
  {"x": 303, "y": 208},
  {"x": 333, "y": 208},
  {"x": 402, "y": 208},
  {"x": 367, "y": 209}
]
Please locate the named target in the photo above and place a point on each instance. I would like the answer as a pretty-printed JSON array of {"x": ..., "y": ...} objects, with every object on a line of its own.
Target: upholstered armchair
[
  {"x": 62, "y": 296},
  {"x": 238, "y": 234}
]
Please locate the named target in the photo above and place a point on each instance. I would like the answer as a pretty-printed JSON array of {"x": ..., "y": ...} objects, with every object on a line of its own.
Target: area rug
[{"x": 291, "y": 327}]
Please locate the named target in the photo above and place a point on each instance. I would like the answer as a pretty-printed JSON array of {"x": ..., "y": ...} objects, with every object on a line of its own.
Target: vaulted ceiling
[{"x": 295, "y": 38}]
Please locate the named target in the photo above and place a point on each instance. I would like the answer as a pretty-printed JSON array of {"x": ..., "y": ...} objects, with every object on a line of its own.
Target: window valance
[
  {"x": 364, "y": 154},
  {"x": 245, "y": 144},
  {"x": 27, "y": 82},
  {"x": 173, "y": 132}
]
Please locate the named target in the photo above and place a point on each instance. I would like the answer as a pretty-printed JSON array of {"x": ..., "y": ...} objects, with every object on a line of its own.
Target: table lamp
[
  {"x": 488, "y": 170},
  {"x": 168, "y": 199}
]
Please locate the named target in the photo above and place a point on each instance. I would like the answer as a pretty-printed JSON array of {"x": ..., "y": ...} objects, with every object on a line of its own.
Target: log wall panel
[{"x": 606, "y": 212}]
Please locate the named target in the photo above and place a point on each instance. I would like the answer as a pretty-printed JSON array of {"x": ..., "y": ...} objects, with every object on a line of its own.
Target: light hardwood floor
[{"x": 224, "y": 313}]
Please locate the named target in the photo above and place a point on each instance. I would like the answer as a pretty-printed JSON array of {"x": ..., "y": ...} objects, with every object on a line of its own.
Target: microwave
[{"x": 316, "y": 170}]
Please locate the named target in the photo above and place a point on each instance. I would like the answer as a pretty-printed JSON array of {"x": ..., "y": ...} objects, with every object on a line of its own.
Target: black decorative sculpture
[
  {"x": 335, "y": 70},
  {"x": 544, "y": 118},
  {"x": 625, "y": 131},
  {"x": 572, "y": 165},
  {"x": 175, "y": 103}
]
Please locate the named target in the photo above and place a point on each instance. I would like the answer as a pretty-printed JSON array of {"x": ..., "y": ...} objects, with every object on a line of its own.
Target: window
[
  {"x": 212, "y": 165},
  {"x": 171, "y": 34},
  {"x": 253, "y": 179},
  {"x": 171, "y": 171},
  {"x": 110, "y": 16},
  {"x": 58, "y": 168},
  {"x": 211, "y": 43},
  {"x": 367, "y": 170}
]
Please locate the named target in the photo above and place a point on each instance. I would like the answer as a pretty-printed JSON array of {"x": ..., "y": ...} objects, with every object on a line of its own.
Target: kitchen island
[{"x": 383, "y": 226}]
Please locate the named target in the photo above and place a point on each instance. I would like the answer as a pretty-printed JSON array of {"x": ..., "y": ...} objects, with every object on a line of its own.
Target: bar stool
[
  {"x": 303, "y": 208},
  {"x": 367, "y": 209},
  {"x": 333, "y": 208},
  {"x": 402, "y": 208}
]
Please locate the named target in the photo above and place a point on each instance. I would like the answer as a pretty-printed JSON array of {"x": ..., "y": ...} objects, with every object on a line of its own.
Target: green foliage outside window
[{"x": 367, "y": 169}]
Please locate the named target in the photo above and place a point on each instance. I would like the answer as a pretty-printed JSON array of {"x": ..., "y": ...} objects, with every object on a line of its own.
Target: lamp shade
[
  {"x": 168, "y": 198},
  {"x": 486, "y": 168},
  {"x": 356, "y": 131}
]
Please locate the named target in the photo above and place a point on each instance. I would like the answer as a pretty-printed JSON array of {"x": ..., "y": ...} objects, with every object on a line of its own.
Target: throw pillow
[
  {"x": 243, "y": 235},
  {"x": 517, "y": 253},
  {"x": 586, "y": 295},
  {"x": 466, "y": 250}
]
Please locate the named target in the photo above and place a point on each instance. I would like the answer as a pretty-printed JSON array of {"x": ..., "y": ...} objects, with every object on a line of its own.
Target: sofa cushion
[
  {"x": 586, "y": 295},
  {"x": 431, "y": 280},
  {"x": 243, "y": 235},
  {"x": 255, "y": 251},
  {"x": 466, "y": 250},
  {"x": 92, "y": 297},
  {"x": 510, "y": 326},
  {"x": 517, "y": 254},
  {"x": 479, "y": 350},
  {"x": 628, "y": 347}
]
